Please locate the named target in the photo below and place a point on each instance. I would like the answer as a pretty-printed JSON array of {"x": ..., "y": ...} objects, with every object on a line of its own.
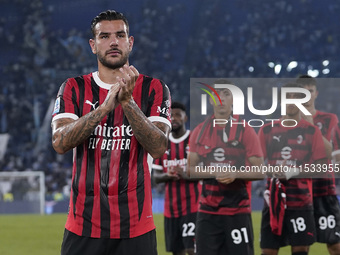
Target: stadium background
[{"x": 43, "y": 42}]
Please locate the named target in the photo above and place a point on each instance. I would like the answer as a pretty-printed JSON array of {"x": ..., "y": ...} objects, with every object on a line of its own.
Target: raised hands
[
  {"x": 111, "y": 101},
  {"x": 127, "y": 82},
  {"x": 122, "y": 90}
]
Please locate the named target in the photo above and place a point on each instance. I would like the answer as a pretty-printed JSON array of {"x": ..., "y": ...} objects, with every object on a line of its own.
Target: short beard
[
  {"x": 176, "y": 130},
  {"x": 115, "y": 65}
]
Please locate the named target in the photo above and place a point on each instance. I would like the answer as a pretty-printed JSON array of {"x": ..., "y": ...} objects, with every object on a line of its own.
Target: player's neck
[
  {"x": 179, "y": 133},
  {"x": 224, "y": 115},
  {"x": 290, "y": 119},
  {"x": 108, "y": 75}
]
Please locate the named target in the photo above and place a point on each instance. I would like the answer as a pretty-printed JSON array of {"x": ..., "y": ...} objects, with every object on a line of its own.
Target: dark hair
[
  {"x": 306, "y": 80},
  {"x": 293, "y": 85},
  {"x": 108, "y": 15},
  {"x": 178, "y": 105},
  {"x": 223, "y": 81}
]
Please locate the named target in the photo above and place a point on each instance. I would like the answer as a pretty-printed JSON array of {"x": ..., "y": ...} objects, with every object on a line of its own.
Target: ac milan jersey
[
  {"x": 181, "y": 197},
  {"x": 298, "y": 145},
  {"x": 111, "y": 186},
  {"x": 326, "y": 122},
  {"x": 233, "y": 198},
  {"x": 336, "y": 140}
]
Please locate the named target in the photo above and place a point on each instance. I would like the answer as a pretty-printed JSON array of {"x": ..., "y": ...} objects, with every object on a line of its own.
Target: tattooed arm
[
  {"x": 68, "y": 133},
  {"x": 153, "y": 136}
]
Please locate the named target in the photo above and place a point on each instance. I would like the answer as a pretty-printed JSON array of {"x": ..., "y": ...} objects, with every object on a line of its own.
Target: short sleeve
[
  {"x": 160, "y": 109},
  {"x": 66, "y": 102},
  {"x": 336, "y": 140},
  {"x": 333, "y": 123},
  {"x": 318, "y": 147}
]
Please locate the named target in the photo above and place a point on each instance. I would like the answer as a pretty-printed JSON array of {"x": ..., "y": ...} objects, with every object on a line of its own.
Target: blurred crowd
[{"x": 173, "y": 41}]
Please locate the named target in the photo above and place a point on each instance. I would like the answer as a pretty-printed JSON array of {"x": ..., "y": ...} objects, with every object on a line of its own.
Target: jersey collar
[{"x": 99, "y": 82}]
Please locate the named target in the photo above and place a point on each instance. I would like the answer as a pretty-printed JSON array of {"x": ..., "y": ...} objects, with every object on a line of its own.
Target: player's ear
[
  {"x": 131, "y": 41},
  {"x": 186, "y": 118},
  {"x": 93, "y": 46}
]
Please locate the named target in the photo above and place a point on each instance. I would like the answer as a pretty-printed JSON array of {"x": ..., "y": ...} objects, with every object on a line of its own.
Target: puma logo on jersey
[
  {"x": 277, "y": 138},
  {"x": 93, "y": 105}
]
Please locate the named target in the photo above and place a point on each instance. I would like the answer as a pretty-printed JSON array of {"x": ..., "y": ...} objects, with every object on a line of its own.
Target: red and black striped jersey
[
  {"x": 111, "y": 186},
  {"x": 325, "y": 122},
  {"x": 233, "y": 198},
  {"x": 181, "y": 197},
  {"x": 297, "y": 145},
  {"x": 336, "y": 140}
]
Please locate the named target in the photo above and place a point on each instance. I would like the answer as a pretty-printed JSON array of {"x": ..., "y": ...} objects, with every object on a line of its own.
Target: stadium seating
[{"x": 44, "y": 42}]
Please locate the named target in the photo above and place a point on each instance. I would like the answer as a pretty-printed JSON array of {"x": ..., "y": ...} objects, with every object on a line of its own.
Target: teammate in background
[
  {"x": 224, "y": 224},
  {"x": 287, "y": 216},
  {"x": 326, "y": 205},
  {"x": 336, "y": 148},
  {"x": 112, "y": 120},
  {"x": 181, "y": 194}
]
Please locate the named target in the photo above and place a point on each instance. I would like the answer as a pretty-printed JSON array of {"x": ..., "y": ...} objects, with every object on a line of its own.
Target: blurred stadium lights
[
  {"x": 277, "y": 68},
  {"x": 325, "y": 71},
  {"x": 313, "y": 69},
  {"x": 313, "y": 73},
  {"x": 251, "y": 69},
  {"x": 292, "y": 65},
  {"x": 271, "y": 64}
]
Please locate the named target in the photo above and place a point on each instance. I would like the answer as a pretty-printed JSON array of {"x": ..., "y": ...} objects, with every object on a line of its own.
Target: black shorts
[
  {"x": 79, "y": 245},
  {"x": 180, "y": 232},
  {"x": 298, "y": 229},
  {"x": 327, "y": 219},
  {"x": 224, "y": 234}
]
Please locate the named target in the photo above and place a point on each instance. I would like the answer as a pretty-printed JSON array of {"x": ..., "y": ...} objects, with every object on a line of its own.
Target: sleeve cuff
[
  {"x": 160, "y": 119},
  {"x": 65, "y": 115}
]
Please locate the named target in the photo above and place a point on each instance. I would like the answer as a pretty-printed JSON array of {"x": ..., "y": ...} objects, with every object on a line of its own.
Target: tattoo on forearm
[
  {"x": 69, "y": 134},
  {"x": 153, "y": 138}
]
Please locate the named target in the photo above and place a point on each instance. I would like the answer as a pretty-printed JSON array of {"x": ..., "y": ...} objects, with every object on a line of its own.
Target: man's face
[
  {"x": 112, "y": 43},
  {"x": 314, "y": 94},
  {"x": 227, "y": 101},
  {"x": 178, "y": 118},
  {"x": 291, "y": 109}
]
